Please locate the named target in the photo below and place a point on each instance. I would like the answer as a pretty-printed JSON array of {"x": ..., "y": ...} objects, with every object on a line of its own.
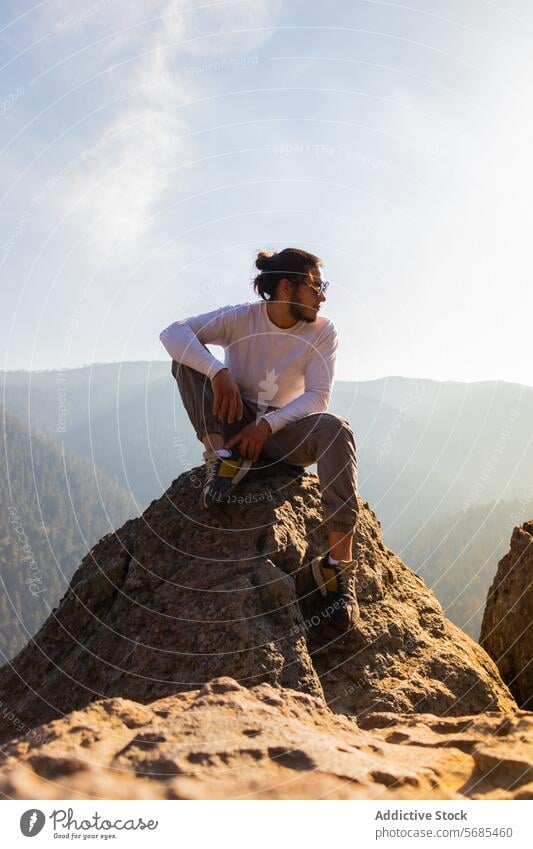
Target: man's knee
[
  {"x": 188, "y": 379},
  {"x": 180, "y": 372},
  {"x": 335, "y": 425}
]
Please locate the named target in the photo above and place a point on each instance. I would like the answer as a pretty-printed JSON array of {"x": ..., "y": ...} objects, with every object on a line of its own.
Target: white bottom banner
[{"x": 357, "y": 824}]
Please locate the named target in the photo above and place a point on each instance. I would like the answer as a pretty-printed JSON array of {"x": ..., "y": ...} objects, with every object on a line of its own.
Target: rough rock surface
[
  {"x": 227, "y": 741},
  {"x": 507, "y": 627},
  {"x": 180, "y": 596}
]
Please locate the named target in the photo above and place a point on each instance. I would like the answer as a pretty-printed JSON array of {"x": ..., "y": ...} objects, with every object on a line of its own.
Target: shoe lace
[
  {"x": 346, "y": 580},
  {"x": 211, "y": 468}
]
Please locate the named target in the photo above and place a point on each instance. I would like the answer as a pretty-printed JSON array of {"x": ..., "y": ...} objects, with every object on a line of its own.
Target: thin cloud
[{"x": 113, "y": 196}]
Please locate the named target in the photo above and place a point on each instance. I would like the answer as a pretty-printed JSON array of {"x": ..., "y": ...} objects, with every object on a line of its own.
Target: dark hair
[{"x": 288, "y": 263}]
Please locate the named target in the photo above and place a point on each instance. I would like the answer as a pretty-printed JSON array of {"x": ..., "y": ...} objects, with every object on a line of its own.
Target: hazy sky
[{"x": 150, "y": 149}]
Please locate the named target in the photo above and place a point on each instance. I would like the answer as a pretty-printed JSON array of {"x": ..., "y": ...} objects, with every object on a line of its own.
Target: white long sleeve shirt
[{"x": 291, "y": 369}]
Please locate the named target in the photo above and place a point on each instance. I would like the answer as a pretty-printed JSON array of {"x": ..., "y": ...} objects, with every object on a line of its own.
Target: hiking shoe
[
  {"x": 336, "y": 583},
  {"x": 221, "y": 475}
]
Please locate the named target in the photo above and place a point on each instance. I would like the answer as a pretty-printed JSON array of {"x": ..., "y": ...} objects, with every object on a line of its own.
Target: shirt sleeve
[
  {"x": 185, "y": 340},
  {"x": 319, "y": 377}
]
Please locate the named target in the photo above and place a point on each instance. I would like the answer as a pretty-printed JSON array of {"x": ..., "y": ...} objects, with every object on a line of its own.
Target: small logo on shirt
[{"x": 268, "y": 389}]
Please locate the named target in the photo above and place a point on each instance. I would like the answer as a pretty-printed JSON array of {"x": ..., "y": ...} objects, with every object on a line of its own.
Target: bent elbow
[
  {"x": 167, "y": 337},
  {"x": 163, "y": 338},
  {"x": 323, "y": 398}
]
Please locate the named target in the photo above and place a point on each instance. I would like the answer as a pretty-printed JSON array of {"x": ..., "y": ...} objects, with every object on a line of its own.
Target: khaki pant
[{"x": 321, "y": 438}]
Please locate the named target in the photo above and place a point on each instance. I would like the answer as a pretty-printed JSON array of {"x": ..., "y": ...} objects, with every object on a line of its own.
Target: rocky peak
[{"x": 180, "y": 596}]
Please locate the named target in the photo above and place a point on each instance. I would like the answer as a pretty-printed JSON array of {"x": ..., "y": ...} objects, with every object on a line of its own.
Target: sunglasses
[{"x": 322, "y": 287}]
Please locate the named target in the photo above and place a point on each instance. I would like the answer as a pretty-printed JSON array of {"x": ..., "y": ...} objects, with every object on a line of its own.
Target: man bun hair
[
  {"x": 263, "y": 260},
  {"x": 274, "y": 266}
]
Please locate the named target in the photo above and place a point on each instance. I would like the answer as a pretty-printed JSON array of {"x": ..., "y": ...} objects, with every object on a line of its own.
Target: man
[{"x": 277, "y": 378}]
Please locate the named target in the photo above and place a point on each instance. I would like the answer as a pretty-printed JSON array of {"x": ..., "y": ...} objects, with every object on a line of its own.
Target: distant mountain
[
  {"x": 424, "y": 448},
  {"x": 57, "y": 401},
  {"x": 477, "y": 438},
  {"x": 457, "y": 556},
  {"x": 53, "y": 508}
]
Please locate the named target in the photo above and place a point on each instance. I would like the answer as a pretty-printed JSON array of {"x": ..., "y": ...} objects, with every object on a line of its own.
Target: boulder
[
  {"x": 507, "y": 627},
  {"x": 181, "y": 596}
]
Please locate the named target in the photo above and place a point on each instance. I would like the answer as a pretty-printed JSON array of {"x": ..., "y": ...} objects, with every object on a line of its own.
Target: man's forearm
[{"x": 311, "y": 401}]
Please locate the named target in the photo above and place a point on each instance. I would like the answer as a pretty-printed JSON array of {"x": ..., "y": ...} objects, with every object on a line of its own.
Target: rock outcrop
[
  {"x": 507, "y": 627},
  {"x": 180, "y": 596},
  {"x": 226, "y": 741}
]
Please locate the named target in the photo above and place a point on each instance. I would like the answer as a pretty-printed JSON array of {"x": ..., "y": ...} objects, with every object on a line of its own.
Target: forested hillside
[
  {"x": 457, "y": 555},
  {"x": 53, "y": 508}
]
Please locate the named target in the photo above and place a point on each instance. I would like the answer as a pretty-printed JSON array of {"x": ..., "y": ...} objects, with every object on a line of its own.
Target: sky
[{"x": 151, "y": 148}]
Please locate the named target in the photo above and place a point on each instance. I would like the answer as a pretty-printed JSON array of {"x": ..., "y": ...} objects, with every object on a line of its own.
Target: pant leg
[
  {"x": 197, "y": 396},
  {"x": 328, "y": 441}
]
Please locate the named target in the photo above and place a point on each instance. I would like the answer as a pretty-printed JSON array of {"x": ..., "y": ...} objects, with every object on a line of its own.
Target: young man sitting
[{"x": 269, "y": 400}]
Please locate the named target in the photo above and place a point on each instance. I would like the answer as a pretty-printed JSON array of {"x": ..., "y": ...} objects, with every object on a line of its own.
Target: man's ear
[{"x": 284, "y": 287}]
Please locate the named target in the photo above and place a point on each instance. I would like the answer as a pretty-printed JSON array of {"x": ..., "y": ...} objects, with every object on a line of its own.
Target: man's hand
[
  {"x": 227, "y": 399},
  {"x": 251, "y": 439}
]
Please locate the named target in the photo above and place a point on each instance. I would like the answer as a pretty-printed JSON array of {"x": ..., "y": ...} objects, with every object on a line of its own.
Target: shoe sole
[
  {"x": 317, "y": 575},
  {"x": 243, "y": 469}
]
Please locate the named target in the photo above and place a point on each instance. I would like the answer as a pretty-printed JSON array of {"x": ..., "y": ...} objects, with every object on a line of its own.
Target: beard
[{"x": 299, "y": 313}]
